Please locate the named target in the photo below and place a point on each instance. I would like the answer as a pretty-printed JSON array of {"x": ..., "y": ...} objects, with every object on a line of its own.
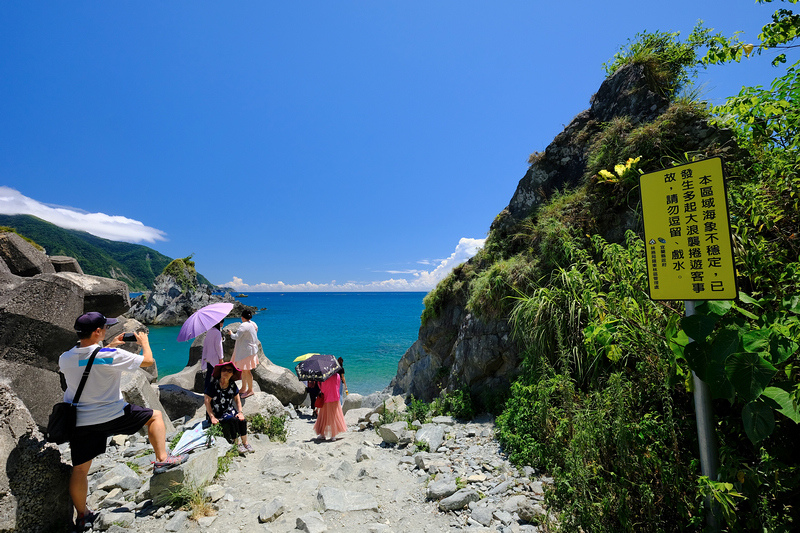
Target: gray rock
[
  {"x": 500, "y": 488},
  {"x": 33, "y": 480},
  {"x": 311, "y": 523},
  {"x": 432, "y": 435},
  {"x": 272, "y": 510},
  {"x": 444, "y": 420},
  {"x": 482, "y": 515},
  {"x": 105, "y": 295},
  {"x": 37, "y": 318},
  {"x": 214, "y": 492},
  {"x": 39, "y": 399},
  {"x": 336, "y": 499},
  {"x": 363, "y": 454},
  {"x": 186, "y": 379},
  {"x": 529, "y": 511},
  {"x": 428, "y": 461},
  {"x": 280, "y": 382},
  {"x": 22, "y": 258},
  {"x": 177, "y": 522},
  {"x": 62, "y": 263},
  {"x": 198, "y": 470},
  {"x": 120, "y": 517},
  {"x": 121, "y": 476},
  {"x": 205, "y": 521},
  {"x": 179, "y": 402},
  {"x": 354, "y": 416},
  {"x": 438, "y": 490},
  {"x": 503, "y": 516},
  {"x": 459, "y": 500},
  {"x": 136, "y": 389},
  {"x": 392, "y": 433},
  {"x": 351, "y": 401},
  {"x": 264, "y": 404}
]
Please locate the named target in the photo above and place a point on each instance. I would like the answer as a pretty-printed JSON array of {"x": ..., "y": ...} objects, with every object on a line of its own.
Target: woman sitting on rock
[{"x": 224, "y": 407}]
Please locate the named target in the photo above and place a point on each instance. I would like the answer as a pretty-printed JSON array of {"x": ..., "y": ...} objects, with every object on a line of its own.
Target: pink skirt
[
  {"x": 330, "y": 421},
  {"x": 249, "y": 363}
]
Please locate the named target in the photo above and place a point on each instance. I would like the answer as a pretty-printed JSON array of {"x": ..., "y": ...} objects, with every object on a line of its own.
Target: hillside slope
[{"x": 134, "y": 264}]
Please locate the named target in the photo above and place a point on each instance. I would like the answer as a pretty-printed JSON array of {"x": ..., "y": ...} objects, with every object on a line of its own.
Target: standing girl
[
  {"x": 245, "y": 351},
  {"x": 212, "y": 351}
]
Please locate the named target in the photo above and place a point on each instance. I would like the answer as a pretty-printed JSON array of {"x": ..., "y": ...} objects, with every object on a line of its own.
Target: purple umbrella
[{"x": 204, "y": 319}]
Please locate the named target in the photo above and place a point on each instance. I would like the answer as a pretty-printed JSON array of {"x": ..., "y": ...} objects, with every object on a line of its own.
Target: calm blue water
[{"x": 370, "y": 330}]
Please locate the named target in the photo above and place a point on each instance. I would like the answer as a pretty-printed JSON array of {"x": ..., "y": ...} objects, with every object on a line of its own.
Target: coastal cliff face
[
  {"x": 169, "y": 304},
  {"x": 466, "y": 339}
]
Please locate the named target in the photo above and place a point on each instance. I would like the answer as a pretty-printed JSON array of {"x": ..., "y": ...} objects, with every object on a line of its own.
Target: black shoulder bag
[{"x": 65, "y": 414}]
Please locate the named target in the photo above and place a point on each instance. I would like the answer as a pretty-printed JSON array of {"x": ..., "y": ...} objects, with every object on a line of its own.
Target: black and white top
[{"x": 222, "y": 400}]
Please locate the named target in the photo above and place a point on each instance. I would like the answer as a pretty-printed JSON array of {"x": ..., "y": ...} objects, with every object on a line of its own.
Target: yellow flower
[{"x": 608, "y": 176}]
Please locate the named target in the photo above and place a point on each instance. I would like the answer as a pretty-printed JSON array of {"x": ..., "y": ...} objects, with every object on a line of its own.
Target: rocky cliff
[
  {"x": 169, "y": 304},
  {"x": 463, "y": 343}
]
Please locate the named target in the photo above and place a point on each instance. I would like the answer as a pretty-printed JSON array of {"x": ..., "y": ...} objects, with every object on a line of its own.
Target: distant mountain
[{"x": 134, "y": 264}]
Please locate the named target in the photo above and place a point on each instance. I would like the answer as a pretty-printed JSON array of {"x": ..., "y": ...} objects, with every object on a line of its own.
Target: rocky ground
[{"x": 357, "y": 482}]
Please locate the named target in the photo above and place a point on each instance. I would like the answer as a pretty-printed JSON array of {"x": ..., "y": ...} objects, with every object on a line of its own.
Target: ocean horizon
[{"x": 370, "y": 330}]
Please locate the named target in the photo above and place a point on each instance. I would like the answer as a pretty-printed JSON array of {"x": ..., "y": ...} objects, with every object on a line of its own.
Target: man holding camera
[{"x": 102, "y": 411}]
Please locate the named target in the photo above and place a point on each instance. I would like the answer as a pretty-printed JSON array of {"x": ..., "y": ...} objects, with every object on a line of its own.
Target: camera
[{"x": 128, "y": 337}]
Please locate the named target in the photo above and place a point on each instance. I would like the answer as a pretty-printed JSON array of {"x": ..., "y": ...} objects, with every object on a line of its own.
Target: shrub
[
  {"x": 669, "y": 63},
  {"x": 184, "y": 272},
  {"x": 274, "y": 427},
  {"x": 418, "y": 410}
]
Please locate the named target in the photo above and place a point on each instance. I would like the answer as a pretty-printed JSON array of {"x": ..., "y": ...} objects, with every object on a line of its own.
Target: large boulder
[
  {"x": 280, "y": 382},
  {"x": 179, "y": 402},
  {"x": 62, "y": 263},
  {"x": 105, "y": 295},
  {"x": 22, "y": 258},
  {"x": 264, "y": 404},
  {"x": 37, "y": 319},
  {"x": 190, "y": 378},
  {"x": 197, "y": 471},
  {"x": 33, "y": 480},
  {"x": 39, "y": 389},
  {"x": 136, "y": 389},
  {"x": 8, "y": 280}
]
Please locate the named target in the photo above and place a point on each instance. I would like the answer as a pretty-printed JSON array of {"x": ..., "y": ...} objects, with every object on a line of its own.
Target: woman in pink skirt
[
  {"x": 245, "y": 351},
  {"x": 330, "y": 420}
]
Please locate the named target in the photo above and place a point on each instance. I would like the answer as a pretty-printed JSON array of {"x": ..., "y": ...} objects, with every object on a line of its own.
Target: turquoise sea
[{"x": 370, "y": 330}]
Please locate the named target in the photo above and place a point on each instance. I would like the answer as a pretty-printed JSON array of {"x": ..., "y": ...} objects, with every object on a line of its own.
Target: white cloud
[
  {"x": 116, "y": 228},
  {"x": 422, "y": 280}
]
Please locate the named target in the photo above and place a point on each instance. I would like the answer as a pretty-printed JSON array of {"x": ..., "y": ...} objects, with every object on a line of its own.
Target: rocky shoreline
[{"x": 366, "y": 480}]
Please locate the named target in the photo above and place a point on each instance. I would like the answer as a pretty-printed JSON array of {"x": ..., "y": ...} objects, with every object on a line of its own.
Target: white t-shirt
[{"x": 101, "y": 399}]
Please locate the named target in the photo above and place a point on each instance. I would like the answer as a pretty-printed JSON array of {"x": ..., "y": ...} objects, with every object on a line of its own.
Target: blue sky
[{"x": 349, "y": 145}]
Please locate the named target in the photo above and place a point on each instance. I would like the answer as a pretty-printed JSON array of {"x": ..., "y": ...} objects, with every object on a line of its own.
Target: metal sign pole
[{"x": 705, "y": 431}]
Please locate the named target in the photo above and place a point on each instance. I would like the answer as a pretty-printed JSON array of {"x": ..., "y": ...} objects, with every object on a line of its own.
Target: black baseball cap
[{"x": 89, "y": 322}]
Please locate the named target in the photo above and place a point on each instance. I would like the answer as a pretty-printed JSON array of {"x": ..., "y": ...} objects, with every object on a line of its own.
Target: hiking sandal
[{"x": 159, "y": 467}]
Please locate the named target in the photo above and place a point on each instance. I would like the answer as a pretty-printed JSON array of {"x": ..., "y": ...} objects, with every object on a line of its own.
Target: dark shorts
[{"x": 90, "y": 441}]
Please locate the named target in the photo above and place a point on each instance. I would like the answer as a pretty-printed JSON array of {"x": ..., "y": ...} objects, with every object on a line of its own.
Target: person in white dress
[{"x": 245, "y": 351}]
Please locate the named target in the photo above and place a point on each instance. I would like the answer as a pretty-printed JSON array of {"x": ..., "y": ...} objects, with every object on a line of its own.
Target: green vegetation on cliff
[
  {"x": 134, "y": 264},
  {"x": 603, "y": 400}
]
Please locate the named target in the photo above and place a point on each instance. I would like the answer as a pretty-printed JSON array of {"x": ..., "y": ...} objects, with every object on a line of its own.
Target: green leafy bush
[
  {"x": 669, "y": 63},
  {"x": 274, "y": 427},
  {"x": 184, "y": 273}
]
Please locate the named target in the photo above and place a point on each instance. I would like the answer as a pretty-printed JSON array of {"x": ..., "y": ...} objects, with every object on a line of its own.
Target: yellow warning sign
[{"x": 687, "y": 233}]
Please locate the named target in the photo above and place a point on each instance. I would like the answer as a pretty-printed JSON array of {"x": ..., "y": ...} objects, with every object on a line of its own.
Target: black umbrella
[{"x": 318, "y": 367}]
